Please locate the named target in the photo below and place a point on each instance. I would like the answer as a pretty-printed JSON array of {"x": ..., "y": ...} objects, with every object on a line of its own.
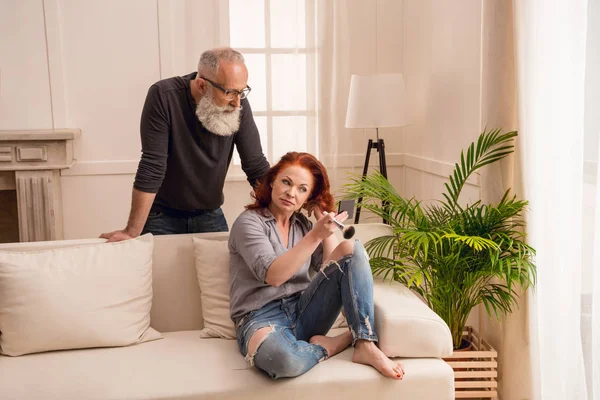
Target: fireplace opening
[{"x": 9, "y": 219}]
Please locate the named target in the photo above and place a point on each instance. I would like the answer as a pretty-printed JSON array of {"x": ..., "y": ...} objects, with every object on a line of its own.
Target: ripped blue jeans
[{"x": 285, "y": 351}]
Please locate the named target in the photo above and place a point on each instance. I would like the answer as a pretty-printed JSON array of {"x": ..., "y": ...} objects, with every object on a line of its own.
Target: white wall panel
[
  {"x": 94, "y": 204},
  {"x": 110, "y": 58},
  {"x": 24, "y": 83},
  {"x": 443, "y": 76}
]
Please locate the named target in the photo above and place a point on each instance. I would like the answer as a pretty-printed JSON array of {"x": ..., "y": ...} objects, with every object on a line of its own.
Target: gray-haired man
[{"x": 190, "y": 125}]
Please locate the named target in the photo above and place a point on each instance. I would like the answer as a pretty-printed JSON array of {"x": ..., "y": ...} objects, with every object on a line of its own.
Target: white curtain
[
  {"x": 556, "y": 66},
  {"x": 590, "y": 318},
  {"x": 333, "y": 71}
]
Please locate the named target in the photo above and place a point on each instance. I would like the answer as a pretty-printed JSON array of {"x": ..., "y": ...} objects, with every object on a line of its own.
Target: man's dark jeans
[{"x": 161, "y": 222}]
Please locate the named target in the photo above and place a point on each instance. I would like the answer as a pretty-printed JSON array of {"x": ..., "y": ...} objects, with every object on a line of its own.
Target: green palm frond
[
  {"x": 455, "y": 257},
  {"x": 438, "y": 216},
  {"x": 491, "y": 147},
  {"x": 475, "y": 242}
]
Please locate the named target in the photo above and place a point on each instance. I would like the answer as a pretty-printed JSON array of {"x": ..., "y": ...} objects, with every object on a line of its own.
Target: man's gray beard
[{"x": 222, "y": 121}]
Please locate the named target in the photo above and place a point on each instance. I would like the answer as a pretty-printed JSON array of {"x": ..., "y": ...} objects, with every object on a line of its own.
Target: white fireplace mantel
[{"x": 30, "y": 163}]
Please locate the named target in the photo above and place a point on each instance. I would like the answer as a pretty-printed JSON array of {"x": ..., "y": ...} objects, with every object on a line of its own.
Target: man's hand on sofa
[
  {"x": 116, "y": 236},
  {"x": 141, "y": 202}
]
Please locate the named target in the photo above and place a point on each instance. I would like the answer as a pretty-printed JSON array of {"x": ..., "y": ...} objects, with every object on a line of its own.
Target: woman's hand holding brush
[{"x": 347, "y": 232}]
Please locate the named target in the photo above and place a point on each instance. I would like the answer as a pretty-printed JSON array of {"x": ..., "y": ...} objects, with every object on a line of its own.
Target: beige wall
[{"x": 442, "y": 70}]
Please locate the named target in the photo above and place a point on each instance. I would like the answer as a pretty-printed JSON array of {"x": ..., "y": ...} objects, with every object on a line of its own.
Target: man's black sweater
[{"x": 182, "y": 161}]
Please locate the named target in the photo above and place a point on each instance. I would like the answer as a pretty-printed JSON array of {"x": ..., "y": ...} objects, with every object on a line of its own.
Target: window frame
[{"x": 235, "y": 172}]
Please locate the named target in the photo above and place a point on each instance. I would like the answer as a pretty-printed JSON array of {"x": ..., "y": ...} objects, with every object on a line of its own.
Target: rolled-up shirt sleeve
[
  {"x": 154, "y": 132},
  {"x": 252, "y": 243}
]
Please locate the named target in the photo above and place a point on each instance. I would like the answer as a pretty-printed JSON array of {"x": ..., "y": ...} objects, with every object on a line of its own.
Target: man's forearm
[
  {"x": 256, "y": 173},
  {"x": 141, "y": 202}
]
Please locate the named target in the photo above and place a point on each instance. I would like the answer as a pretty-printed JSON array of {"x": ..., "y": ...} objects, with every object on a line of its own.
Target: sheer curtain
[
  {"x": 557, "y": 84},
  {"x": 333, "y": 72},
  {"x": 297, "y": 53},
  {"x": 590, "y": 313}
]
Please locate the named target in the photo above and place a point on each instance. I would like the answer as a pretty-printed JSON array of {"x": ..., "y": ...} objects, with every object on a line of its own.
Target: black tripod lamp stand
[{"x": 375, "y": 101}]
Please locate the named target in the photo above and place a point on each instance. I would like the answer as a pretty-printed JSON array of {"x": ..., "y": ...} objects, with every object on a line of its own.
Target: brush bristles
[{"x": 349, "y": 232}]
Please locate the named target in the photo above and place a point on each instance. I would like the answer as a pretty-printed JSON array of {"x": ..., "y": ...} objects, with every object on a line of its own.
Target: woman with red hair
[{"x": 280, "y": 314}]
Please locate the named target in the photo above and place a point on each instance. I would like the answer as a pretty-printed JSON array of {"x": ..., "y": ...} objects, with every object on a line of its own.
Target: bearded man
[{"x": 189, "y": 127}]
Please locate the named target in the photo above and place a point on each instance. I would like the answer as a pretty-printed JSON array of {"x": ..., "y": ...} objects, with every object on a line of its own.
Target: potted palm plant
[{"x": 454, "y": 256}]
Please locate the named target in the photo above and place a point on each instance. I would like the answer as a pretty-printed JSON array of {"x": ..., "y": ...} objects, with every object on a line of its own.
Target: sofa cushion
[
  {"x": 182, "y": 366},
  {"x": 91, "y": 295},
  {"x": 212, "y": 267},
  {"x": 406, "y": 326}
]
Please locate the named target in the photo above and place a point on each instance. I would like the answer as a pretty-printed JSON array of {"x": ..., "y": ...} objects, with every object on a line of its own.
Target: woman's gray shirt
[{"x": 254, "y": 243}]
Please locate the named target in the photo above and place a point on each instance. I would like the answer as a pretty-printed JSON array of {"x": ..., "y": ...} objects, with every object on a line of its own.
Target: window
[{"x": 275, "y": 37}]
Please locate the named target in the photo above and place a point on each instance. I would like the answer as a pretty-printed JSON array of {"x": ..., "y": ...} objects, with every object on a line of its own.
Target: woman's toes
[{"x": 399, "y": 371}]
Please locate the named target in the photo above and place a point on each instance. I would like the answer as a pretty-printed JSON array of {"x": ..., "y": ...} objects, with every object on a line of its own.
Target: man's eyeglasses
[{"x": 230, "y": 94}]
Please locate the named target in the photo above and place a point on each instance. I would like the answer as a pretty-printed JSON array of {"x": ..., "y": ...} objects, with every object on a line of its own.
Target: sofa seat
[{"x": 183, "y": 366}]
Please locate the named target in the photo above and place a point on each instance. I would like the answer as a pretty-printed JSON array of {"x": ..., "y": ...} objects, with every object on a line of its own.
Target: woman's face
[{"x": 291, "y": 188}]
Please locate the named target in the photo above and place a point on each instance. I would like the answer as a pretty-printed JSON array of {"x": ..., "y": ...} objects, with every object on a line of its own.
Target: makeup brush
[{"x": 346, "y": 232}]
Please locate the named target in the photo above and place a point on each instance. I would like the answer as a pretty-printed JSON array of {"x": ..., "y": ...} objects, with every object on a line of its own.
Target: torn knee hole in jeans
[
  {"x": 250, "y": 357},
  {"x": 327, "y": 264}
]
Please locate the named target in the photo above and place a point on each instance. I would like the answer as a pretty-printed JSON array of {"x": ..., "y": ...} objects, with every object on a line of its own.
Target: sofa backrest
[{"x": 176, "y": 304}]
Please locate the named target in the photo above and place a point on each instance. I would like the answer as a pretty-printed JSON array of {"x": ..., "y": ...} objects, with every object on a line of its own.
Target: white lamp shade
[{"x": 376, "y": 101}]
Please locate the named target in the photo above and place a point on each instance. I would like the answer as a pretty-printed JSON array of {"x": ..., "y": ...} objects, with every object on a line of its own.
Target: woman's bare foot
[
  {"x": 368, "y": 353},
  {"x": 333, "y": 345}
]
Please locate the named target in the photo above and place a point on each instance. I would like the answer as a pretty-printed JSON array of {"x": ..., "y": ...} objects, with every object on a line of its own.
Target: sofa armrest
[{"x": 406, "y": 326}]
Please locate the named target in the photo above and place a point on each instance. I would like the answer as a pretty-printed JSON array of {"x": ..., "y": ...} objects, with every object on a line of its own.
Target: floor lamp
[{"x": 375, "y": 101}]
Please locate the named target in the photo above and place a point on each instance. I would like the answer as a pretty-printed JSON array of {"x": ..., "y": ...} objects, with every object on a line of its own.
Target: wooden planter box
[{"x": 475, "y": 370}]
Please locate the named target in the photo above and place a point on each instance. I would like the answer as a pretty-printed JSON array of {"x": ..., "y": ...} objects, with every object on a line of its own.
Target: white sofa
[{"x": 184, "y": 366}]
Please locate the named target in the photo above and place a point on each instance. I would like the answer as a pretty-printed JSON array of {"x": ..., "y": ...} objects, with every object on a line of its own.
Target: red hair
[{"x": 320, "y": 195}]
